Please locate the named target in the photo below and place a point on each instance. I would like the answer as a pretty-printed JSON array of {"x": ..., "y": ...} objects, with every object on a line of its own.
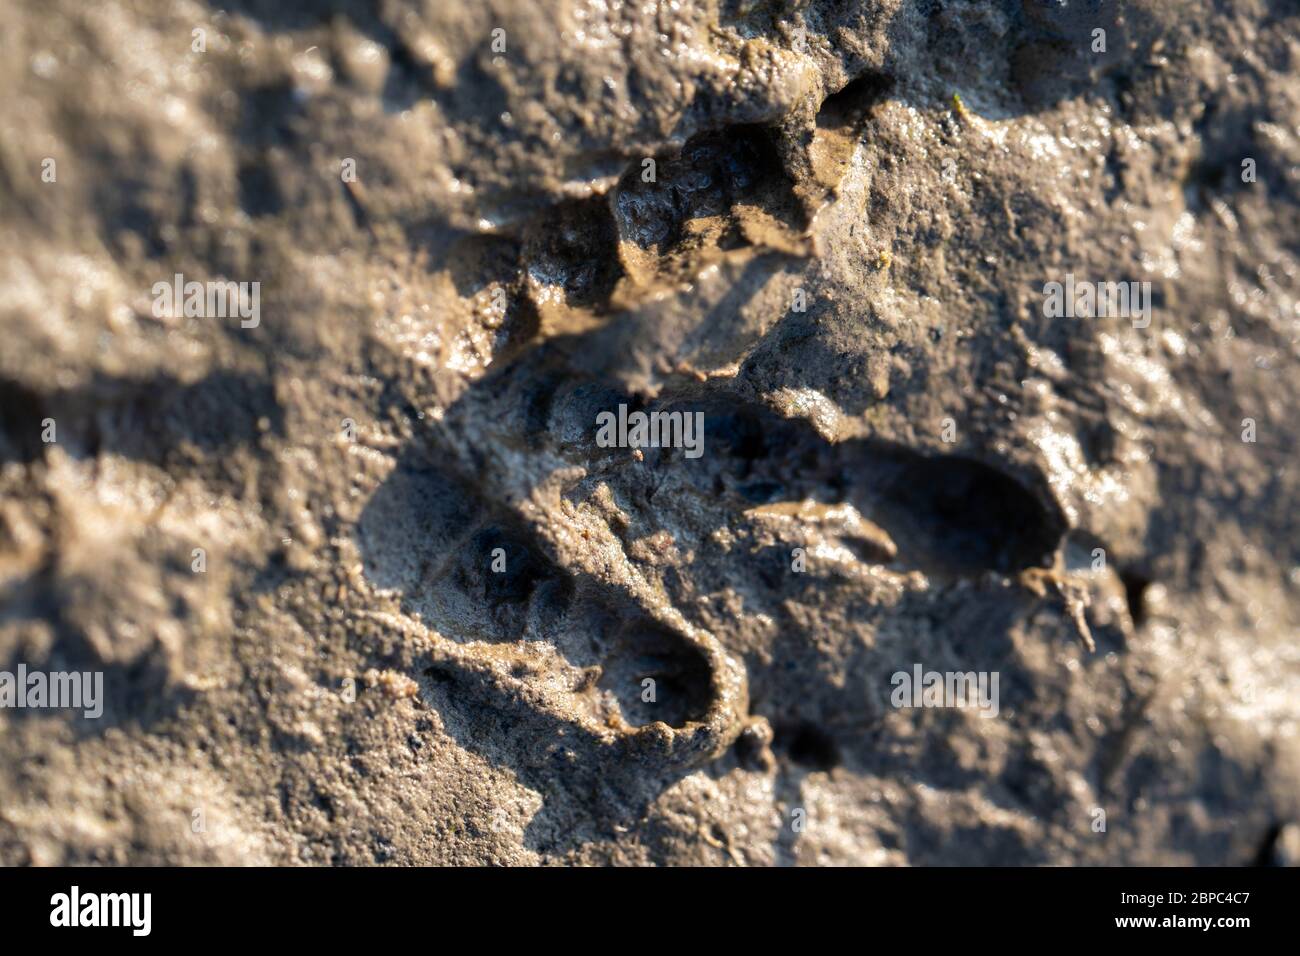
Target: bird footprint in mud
[
  {"x": 556, "y": 591},
  {"x": 584, "y": 611}
]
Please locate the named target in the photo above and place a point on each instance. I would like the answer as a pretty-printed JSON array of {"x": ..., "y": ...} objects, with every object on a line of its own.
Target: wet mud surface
[{"x": 837, "y": 253}]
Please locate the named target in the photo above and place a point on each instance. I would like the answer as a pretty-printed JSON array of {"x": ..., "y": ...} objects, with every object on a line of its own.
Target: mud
[{"x": 840, "y": 260}]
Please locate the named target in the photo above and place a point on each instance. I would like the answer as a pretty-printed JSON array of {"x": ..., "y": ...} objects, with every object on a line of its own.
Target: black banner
[{"x": 337, "y": 907}]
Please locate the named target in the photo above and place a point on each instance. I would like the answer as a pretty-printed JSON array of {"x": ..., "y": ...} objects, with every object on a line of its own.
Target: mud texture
[{"x": 348, "y": 682}]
